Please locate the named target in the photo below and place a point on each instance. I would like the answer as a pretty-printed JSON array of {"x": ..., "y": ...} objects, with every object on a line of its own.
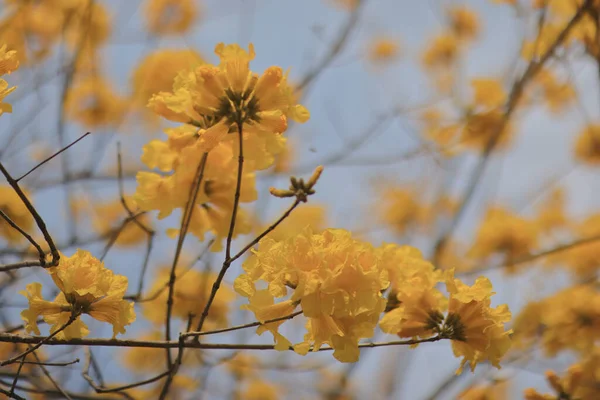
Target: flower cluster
[
  {"x": 339, "y": 283},
  {"x": 335, "y": 279},
  {"x": 86, "y": 287},
  {"x": 214, "y": 101}
]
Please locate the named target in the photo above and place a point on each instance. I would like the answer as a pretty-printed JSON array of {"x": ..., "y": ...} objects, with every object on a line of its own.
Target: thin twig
[
  {"x": 185, "y": 223},
  {"x": 36, "y": 216},
  {"x": 54, "y": 383},
  {"x": 52, "y": 156}
]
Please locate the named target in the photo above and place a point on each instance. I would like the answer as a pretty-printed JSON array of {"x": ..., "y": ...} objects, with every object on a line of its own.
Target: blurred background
[{"x": 468, "y": 129}]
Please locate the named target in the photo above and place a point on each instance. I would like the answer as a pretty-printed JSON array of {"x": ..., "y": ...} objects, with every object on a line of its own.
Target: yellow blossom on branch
[
  {"x": 86, "y": 287},
  {"x": 218, "y": 98},
  {"x": 335, "y": 279},
  {"x": 476, "y": 330}
]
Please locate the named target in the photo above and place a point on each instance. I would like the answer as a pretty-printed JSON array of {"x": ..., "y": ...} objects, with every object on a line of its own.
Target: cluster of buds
[{"x": 298, "y": 188}]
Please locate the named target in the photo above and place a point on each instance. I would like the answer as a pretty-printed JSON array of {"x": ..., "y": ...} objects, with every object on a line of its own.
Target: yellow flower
[
  {"x": 347, "y": 5},
  {"x": 477, "y": 330},
  {"x": 587, "y": 145},
  {"x": 572, "y": 320},
  {"x": 242, "y": 366},
  {"x": 556, "y": 95},
  {"x": 192, "y": 289},
  {"x": 566, "y": 388},
  {"x": 92, "y": 102},
  {"x": 313, "y": 215},
  {"x": 383, "y": 49},
  {"x": 480, "y": 127},
  {"x": 5, "y": 91},
  {"x": 488, "y": 93},
  {"x": 111, "y": 215},
  {"x": 8, "y": 61},
  {"x": 260, "y": 390},
  {"x": 503, "y": 232},
  {"x": 415, "y": 306},
  {"x": 12, "y": 206},
  {"x": 398, "y": 208},
  {"x": 89, "y": 25},
  {"x": 336, "y": 279},
  {"x": 551, "y": 213},
  {"x": 170, "y": 17},
  {"x": 215, "y": 98},
  {"x": 441, "y": 52},
  {"x": 86, "y": 287},
  {"x": 157, "y": 71},
  {"x": 496, "y": 390},
  {"x": 464, "y": 23},
  {"x": 141, "y": 359},
  {"x": 182, "y": 153}
]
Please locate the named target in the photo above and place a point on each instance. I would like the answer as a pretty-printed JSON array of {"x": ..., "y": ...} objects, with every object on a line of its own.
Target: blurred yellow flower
[
  {"x": 313, "y": 215},
  {"x": 383, "y": 49},
  {"x": 86, "y": 287},
  {"x": 258, "y": 389},
  {"x": 170, "y": 17},
  {"x": 488, "y": 93},
  {"x": 464, "y": 22},
  {"x": 156, "y": 72},
  {"x": 587, "y": 145},
  {"x": 191, "y": 291},
  {"x": 496, "y": 390},
  {"x": 441, "y": 51},
  {"x": 13, "y": 206},
  {"x": 92, "y": 102},
  {"x": 502, "y": 232},
  {"x": 109, "y": 217}
]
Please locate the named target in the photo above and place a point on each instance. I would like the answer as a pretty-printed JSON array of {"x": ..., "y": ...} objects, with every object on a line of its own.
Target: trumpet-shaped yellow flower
[
  {"x": 477, "y": 329},
  {"x": 219, "y": 98},
  {"x": 336, "y": 280},
  {"x": 417, "y": 304},
  {"x": 181, "y": 153},
  {"x": 8, "y": 60},
  {"x": 86, "y": 287}
]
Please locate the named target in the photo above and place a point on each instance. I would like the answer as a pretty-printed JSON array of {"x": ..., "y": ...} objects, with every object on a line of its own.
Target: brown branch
[
  {"x": 158, "y": 344},
  {"x": 52, "y": 156},
  {"x": 36, "y": 216},
  {"x": 54, "y": 383},
  {"x": 238, "y": 327},
  {"x": 27, "y": 236},
  {"x": 11, "y": 360},
  {"x": 185, "y": 223}
]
